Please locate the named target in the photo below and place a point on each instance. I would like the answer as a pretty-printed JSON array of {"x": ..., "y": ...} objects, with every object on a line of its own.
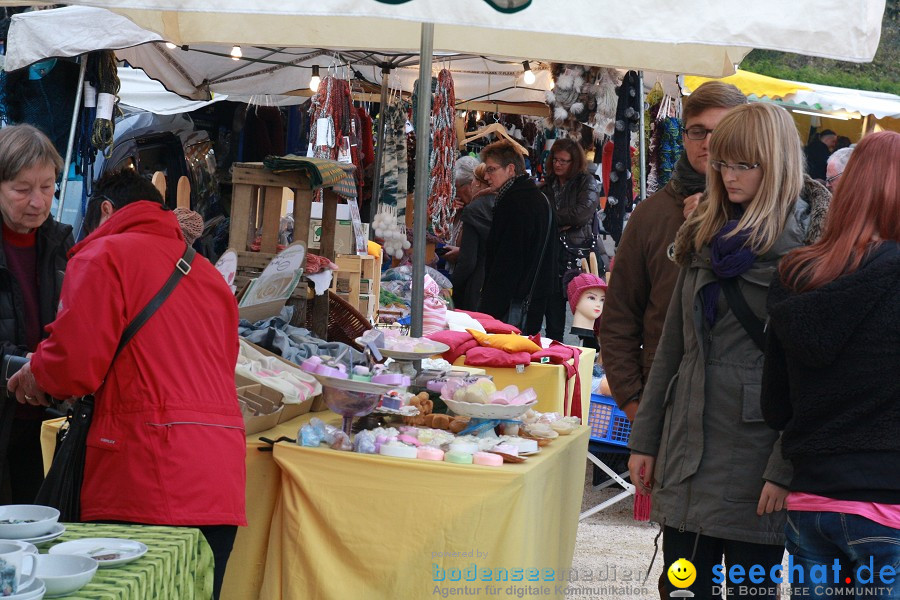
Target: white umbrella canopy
[{"x": 704, "y": 38}]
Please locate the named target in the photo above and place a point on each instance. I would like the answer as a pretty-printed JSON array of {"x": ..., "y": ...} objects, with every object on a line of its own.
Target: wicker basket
[{"x": 345, "y": 323}]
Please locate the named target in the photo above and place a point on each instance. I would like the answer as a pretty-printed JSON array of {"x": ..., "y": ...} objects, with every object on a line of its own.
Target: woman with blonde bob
[
  {"x": 830, "y": 379},
  {"x": 699, "y": 443}
]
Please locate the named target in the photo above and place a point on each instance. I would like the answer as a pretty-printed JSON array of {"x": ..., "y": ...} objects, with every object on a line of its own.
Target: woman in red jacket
[{"x": 166, "y": 445}]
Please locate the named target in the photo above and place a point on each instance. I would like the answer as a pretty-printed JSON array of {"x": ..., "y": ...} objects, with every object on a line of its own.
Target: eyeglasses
[
  {"x": 562, "y": 161},
  {"x": 101, "y": 198},
  {"x": 697, "y": 132},
  {"x": 491, "y": 170},
  {"x": 739, "y": 168},
  {"x": 833, "y": 178}
]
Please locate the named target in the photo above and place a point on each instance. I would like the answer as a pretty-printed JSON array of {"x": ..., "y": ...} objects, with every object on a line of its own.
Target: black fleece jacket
[{"x": 832, "y": 381}]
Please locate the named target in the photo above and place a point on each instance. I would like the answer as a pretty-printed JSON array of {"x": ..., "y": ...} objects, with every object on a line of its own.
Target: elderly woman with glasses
[
  {"x": 32, "y": 260},
  {"x": 699, "y": 445},
  {"x": 574, "y": 195},
  {"x": 837, "y": 162}
]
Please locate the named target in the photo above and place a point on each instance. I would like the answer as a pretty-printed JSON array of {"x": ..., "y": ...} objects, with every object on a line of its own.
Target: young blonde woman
[{"x": 699, "y": 444}]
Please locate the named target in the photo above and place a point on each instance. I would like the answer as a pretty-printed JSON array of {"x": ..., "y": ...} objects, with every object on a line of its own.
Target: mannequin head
[{"x": 586, "y": 293}]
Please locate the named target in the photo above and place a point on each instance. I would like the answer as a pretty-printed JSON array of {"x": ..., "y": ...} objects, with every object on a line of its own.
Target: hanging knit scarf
[
  {"x": 729, "y": 257},
  {"x": 685, "y": 180},
  {"x": 333, "y": 103},
  {"x": 443, "y": 157}
]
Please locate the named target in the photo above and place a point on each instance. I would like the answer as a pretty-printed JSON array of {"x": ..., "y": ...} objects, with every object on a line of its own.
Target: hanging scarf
[
  {"x": 729, "y": 258},
  {"x": 685, "y": 180},
  {"x": 443, "y": 156}
]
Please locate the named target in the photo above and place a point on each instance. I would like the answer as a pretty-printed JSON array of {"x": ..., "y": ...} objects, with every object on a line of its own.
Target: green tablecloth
[{"x": 177, "y": 566}]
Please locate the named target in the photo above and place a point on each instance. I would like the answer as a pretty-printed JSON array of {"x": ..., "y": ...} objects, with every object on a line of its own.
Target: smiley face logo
[{"x": 682, "y": 573}]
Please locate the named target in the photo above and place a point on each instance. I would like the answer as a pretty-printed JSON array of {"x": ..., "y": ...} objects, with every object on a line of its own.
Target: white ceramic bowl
[
  {"x": 19, "y": 521},
  {"x": 488, "y": 411},
  {"x": 63, "y": 574}
]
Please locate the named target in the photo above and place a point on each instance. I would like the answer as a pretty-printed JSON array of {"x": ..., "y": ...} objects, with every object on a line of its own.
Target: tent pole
[
  {"x": 423, "y": 172},
  {"x": 75, "y": 113},
  {"x": 379, "y": 146},
  {"x": 643, "y": 144}
]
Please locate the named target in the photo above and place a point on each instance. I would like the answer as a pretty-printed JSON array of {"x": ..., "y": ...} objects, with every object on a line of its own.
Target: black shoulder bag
[
  {"x": 743, "y": 312},
  {"x": 517, "y": 315},
  {"x": 62, "y": 486}
]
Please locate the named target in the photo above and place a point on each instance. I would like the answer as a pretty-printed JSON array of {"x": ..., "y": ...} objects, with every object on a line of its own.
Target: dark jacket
[
  {"x": 468, "y": 273},
  {"x": 831, "y": 381},
  {"x": 699, "y": 415},
  {"x": 53, "y": 242},
  {"x": 575, "y": 204},
  {"x": 817, "y": 154},
  {"x": 639, "y": 292},
  {"x": 522, "y": 217}
]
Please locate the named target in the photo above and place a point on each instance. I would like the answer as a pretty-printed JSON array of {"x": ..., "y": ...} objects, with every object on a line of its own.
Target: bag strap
[
  {"x": 182, "y": 268},
  {"x": 753, "y": 326}
]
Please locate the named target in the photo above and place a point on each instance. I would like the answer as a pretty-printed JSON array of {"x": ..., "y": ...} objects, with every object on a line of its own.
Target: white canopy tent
[{"x": 708, "y": 38}]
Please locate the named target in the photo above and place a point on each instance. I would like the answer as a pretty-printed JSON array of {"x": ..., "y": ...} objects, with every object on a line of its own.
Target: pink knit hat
[{"x": 580, "y": 284}]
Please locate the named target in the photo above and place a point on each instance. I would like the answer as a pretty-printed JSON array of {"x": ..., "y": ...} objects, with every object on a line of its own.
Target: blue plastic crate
[{"x": 608, "y": 424}]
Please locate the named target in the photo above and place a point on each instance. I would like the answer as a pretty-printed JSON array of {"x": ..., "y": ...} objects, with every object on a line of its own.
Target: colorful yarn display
[{"x": 443, "y": 156}]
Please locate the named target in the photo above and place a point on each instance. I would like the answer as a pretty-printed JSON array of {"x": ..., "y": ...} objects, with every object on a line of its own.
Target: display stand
[{"x": 256, "y": 206}]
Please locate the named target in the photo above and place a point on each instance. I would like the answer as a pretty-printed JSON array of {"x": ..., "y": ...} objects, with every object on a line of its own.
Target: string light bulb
[
  {"x": 236, "y": 52},
  {"x": 529, "y": 74},
  {"x": 170, "y": 46},
  {"x": 314, "y": 80}
]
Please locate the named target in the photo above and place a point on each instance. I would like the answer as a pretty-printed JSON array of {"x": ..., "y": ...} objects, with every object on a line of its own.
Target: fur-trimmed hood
[{"x": 811, "y": 219}]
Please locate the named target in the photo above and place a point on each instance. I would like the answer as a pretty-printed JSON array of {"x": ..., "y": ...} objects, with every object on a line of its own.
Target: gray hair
[
  {"x": 840, "y": 158},
  {"x": 464, "y": 172},
  {"x": 23, "y": 147}
]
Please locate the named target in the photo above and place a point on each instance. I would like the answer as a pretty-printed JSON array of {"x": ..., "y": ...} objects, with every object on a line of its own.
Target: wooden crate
[
  {"x": 347, "y": 283},
  {"x": 256, "y": 204}
]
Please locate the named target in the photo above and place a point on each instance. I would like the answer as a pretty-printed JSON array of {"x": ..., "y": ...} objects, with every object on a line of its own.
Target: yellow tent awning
[{"x": 751, "y": 83}]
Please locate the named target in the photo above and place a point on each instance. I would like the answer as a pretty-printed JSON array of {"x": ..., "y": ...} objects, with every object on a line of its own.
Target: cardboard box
[
  {"x": 344, "y": 239},
  {"x": 259, "y": 412}
]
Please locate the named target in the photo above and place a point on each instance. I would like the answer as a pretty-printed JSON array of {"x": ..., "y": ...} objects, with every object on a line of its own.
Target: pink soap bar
[
  {"x": 429, "y": 453},
  {"x": 391, "y": 379},
  {"x": 408, "y": 439},
  {"x": 487, "y": 459},
  {"x": 331, "y": 372}
]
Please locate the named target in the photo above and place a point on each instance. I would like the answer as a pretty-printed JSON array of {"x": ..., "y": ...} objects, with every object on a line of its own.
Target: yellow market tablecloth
[
  {"x": 360, "y": 526},
  {"x": 178, "y": 564},
  {"x": 548, "y": 382}
]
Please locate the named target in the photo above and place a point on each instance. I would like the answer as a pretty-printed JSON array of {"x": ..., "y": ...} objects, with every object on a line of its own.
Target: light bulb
[
  {"x": 552, "y": 84},
  {"x": 477, "y": 115},
  {"x": 170, "y": 46},
  {"x": 529, "y": 74},
  {"x": 315, "y": 80},
  {"x": 236, "y": 52}
]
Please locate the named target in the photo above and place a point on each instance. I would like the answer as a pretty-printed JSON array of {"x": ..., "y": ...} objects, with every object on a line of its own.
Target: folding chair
[{"x": 610, "y": 429}]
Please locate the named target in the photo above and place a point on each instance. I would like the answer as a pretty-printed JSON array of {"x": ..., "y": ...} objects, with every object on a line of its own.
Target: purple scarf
[{"x": 729, "y": 257}]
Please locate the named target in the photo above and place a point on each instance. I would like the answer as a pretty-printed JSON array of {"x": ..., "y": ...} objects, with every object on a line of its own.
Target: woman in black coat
[
  {"x": 33, "y": 251},
  {"x": 573, "y": 193},
  {"x": 831, "y": 377},
  {"x": 520, "y": 261}
]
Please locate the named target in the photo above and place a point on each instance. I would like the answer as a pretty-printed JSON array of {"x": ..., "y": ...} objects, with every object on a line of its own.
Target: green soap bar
[{"x": 458, "y": 458}]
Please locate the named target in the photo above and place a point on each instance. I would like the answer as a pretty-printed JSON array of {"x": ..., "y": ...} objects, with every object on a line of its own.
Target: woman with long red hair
[{"x": 831, "y": 379}]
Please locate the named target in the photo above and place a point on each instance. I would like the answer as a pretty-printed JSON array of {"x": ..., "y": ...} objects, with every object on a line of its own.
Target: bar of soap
[
  {"x": 429, "y": 453},
  {"x": 465, "y": 447},
  {"x": 487, "y": 459},
  {"x": 397, "y": 450},
  {"x": 510, "y": 449},
  {"x": 525, "y": 445},
  {"x": 458, "y": 458}
]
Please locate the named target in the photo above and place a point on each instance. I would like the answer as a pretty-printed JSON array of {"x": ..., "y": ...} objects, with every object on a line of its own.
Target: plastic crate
[{"x": 608, "y": 423}]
